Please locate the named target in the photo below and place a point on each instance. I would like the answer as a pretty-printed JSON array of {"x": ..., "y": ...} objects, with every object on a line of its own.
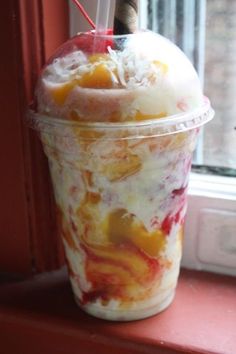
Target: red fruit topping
[
  {"x": 167, "y": 224},
  {"x": 179, "y": 191},
  {"x": 88, "y": 42},
  {"x": 169, "y": 221}
]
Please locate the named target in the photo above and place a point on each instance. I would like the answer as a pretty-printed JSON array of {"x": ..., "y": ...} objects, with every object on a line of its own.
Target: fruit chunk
[
  {"x": 123, "y": 227},
  {"x": 100, "y": 77},
  {"x": 162, "y": 66},
  {"x": 98, "y": 57},
  {"x": 122, "y": 168},
  {"x": 60, "y": 92},
  {"x": 140, "y": 116}
]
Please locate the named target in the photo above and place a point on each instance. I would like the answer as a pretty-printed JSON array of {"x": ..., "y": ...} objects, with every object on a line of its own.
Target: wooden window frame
[{"x": 30, "y": 31}]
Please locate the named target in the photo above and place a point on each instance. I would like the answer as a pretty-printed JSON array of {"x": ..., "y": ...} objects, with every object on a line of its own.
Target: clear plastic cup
[
  {"x": 120, "y": 177},
  {"x": 120, "y": 191}
]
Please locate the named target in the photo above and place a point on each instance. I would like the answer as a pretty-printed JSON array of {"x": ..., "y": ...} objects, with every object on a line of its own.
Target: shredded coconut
[{"x": 126, "y": 68}]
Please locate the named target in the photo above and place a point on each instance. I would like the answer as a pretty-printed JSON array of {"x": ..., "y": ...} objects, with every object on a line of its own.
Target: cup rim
[{"x": 190, "y": 119}]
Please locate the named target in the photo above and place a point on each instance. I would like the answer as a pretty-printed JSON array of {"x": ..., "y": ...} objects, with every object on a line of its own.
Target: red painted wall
[{"x": 30, "y": 31}]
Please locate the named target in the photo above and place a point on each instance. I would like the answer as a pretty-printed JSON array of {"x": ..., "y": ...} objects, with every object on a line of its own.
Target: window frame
[{"x": 29, "y": 242}]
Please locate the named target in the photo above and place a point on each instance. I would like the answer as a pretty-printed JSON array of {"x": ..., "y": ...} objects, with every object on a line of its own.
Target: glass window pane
[
  {"x": 220, "y": 82},
  {"x": 206, "y": 31}
]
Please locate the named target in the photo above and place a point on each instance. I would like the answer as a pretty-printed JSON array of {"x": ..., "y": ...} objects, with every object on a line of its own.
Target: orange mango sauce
[
  {"x": 141, "y": 116},
  {"x": 121, "y": 272},
  {"x": 127, "y": 263},
  {"x": 123, "y": 227},
  {"x": 125, "y": 266}
]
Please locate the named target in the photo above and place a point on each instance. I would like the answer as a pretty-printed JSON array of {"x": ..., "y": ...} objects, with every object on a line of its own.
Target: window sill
[
  {"x": 210, "y": 239},
  {"x": 39, "y": 316}
]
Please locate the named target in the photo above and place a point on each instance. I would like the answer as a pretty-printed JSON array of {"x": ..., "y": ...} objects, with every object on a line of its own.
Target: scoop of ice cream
[{"x": 126, "y": 78}]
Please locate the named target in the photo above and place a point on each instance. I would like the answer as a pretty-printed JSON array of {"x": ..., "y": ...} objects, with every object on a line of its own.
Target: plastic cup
[
  {"x": 118, "y": 117},
  {"x": 120, "y": 191}
]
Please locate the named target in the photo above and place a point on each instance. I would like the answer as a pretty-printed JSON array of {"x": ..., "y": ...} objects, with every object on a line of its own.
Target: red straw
[{"x": 84, "y": 13}]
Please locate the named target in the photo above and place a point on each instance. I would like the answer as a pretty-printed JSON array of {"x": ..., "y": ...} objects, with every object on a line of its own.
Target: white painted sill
[{"x": 210, "y": 229}]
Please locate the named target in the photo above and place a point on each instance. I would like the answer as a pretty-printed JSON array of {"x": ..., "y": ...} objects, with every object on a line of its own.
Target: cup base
[{"x": 127, "y": 315}]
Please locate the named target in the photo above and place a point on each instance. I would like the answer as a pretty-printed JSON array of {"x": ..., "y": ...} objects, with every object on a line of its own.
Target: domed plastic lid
[{"x": 125, "y": 78}]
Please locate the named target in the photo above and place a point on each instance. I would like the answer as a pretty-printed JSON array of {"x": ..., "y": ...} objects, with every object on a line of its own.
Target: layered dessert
[{"x": 119, "y": 178}]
